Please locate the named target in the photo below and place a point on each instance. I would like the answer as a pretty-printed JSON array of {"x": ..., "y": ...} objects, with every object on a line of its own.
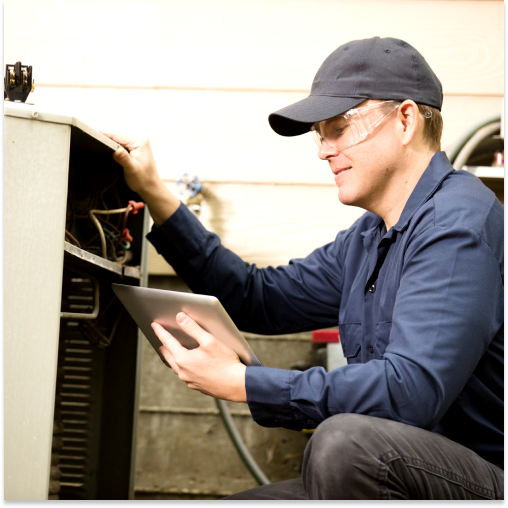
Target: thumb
[
  {"x": 122, "y": 156},
  {"x": 191, "y": 328}
]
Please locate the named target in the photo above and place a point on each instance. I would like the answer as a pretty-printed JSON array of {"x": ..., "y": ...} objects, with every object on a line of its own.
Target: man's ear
[{"x": 408, "y": 118}]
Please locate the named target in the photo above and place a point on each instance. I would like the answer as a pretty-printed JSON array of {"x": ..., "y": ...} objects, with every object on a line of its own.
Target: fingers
[
  {"x": 190, "y": 327},
  {"x": 166, "y": 353},
  {"x": 167, "y": 339}
]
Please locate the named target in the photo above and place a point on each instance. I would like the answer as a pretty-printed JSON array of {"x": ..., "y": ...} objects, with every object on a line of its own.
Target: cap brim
[{"x": 299, "y": 117}]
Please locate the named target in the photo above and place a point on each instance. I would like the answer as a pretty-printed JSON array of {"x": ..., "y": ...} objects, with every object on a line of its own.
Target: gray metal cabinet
[{"x": 70, "y": 385}]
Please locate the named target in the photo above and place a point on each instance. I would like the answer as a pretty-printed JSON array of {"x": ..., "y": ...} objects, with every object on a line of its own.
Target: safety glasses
[{"x": 352, "y": 127}]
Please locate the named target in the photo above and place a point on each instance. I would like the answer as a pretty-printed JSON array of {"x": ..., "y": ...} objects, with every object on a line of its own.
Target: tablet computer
[{"x": 147, "y": 305}]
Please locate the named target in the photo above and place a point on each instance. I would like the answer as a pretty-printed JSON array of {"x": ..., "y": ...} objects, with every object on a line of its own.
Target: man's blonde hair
[{"x": 433, "y": 126}]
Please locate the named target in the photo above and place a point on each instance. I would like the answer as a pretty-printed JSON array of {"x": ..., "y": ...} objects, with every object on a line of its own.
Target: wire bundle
[{"x": 116, "y": 237}]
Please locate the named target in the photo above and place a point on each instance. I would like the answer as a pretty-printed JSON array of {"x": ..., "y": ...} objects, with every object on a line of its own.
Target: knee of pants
[
  {"x": 342, "y": 447},
  {"x": 347, "y": 436}
]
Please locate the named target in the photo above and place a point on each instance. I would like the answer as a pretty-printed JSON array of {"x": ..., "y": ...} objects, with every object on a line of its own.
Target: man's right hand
[
  {"x": 136, "y": 158},
  {"x": 140, "y": 172}
]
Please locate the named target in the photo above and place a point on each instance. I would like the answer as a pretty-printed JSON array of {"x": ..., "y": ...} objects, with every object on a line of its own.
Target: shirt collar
[
  {"x": 371, "y": 230},
  {"x": 438, "y": 169}
]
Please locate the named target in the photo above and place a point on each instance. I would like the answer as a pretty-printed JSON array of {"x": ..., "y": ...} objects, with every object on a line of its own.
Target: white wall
[{"x": 201, "y": 76}]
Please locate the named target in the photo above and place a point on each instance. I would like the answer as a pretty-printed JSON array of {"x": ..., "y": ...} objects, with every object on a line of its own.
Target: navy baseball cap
[{"x": 356, "y": 71}]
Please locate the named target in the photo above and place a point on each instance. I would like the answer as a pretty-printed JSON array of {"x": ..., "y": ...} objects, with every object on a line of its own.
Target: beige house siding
[{"x": 200, "y": 77}]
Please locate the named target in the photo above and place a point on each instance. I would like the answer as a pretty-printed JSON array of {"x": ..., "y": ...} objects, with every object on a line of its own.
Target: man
[{"x": 416, "y": 285}]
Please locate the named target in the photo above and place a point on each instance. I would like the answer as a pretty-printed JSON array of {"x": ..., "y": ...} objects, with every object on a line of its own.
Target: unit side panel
[{"x": 36, "y": 160}]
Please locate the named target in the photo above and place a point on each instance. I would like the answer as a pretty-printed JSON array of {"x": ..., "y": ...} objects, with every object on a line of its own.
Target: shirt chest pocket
[{"x": 351, "y": 341}]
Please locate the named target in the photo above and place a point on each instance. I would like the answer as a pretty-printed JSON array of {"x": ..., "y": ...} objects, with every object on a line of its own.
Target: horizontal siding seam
[{"x": 224, "y": 89}]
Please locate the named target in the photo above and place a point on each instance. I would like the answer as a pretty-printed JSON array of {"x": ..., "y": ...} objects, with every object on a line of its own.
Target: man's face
[{"x": 363, "y": 171}]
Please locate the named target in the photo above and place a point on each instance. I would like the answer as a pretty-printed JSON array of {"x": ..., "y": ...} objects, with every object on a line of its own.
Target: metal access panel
[{"x": 71, "y": 355}]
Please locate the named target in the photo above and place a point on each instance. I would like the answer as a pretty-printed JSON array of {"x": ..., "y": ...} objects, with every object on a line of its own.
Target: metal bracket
[{"x": 95, "y": 311}]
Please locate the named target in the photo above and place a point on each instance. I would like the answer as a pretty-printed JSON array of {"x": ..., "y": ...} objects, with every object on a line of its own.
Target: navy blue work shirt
[{"x": 419, "y": 308}]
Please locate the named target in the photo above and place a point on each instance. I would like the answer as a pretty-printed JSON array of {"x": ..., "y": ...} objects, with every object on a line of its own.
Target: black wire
[
  {"x": 90, "y": 330},
  {"x": 100, "y": 219},
  {"x": 94, "y": 249},
  {"x": 115, "y": 326},
  {"x": 91, "y": 202},
  {"x": 119, "y": 201},
  {"x": 107, "y": 307},
  {"x": 113, "y": 252},
  {"x": 105, "y": 221},
  {"x": 115, "y": 178}
]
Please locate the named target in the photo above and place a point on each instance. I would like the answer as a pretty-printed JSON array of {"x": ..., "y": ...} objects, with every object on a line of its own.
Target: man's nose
[{"x": 327, "y": 150}]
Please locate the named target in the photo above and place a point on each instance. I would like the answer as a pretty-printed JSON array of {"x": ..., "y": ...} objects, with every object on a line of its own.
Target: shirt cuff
[
  {"x": 182, "y": 230},
  {"x": 268, "y": 396}
]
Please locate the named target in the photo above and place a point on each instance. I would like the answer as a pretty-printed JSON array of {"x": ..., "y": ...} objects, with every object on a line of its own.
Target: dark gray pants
[{"x": 361, "y": 457}]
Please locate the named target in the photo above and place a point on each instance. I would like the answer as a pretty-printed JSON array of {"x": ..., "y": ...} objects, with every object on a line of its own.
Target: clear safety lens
[{"x": 351, "y": 128}]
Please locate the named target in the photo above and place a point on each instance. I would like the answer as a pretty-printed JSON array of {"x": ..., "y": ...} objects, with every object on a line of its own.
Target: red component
[
  {"x": 324, "y": 336},
  {"x": 126, "y": 235},
  {"x": 136, "y": 206}
]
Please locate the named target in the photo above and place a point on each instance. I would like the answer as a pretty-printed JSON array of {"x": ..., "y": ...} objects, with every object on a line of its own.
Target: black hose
[
  {"x": 452, "y": 155},
  {"x": 242, "y": 450}
]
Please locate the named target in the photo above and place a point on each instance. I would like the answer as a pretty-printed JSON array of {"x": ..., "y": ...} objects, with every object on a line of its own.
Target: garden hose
[
  {"x": 473, "y": 142},
  {"x": 457, "y": 148},
  {"x": 242, "y": 450}
]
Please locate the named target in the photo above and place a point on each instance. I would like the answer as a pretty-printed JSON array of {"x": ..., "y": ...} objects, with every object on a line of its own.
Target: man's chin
[{"x": 346, "y": 199}]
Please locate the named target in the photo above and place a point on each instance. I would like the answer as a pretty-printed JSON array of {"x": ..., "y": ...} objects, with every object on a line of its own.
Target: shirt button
[
  {"x": 372, "y": 288},
  {"x": 371, "y": 349}
]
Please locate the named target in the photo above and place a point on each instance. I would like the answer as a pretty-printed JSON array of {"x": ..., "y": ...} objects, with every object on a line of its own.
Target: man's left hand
[{"x": 212, "y": 368}]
